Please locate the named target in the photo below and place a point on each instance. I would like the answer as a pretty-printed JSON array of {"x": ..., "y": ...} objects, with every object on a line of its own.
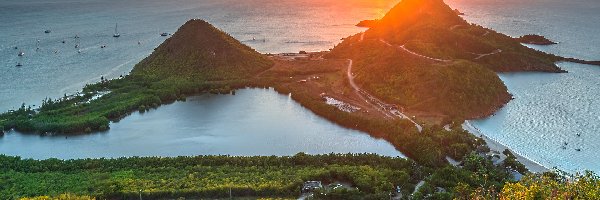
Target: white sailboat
[{"x": 116, "y": 31}]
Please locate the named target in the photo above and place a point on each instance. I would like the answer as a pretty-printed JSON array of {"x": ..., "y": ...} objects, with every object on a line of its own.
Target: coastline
[{"x": 499, "y": 147}]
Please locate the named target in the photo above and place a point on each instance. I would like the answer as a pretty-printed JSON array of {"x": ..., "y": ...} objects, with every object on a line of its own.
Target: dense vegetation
[
  {"x": 202, "y": 176},
  {"x": 198, "y": 58},
  {"x": 66, "y": 196},
  {"x": 269, "y": 176},
  {"x": 554, "y": 186}
]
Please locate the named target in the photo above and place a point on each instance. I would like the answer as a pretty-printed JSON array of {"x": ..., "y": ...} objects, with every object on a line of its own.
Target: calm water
[
  {"x": 253, "y": 122},
  {"x": 549, "y": 109}
]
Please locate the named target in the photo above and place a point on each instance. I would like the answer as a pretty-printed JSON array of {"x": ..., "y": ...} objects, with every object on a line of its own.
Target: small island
[
  {"x": 535, "y": 39},
  {"x": 367, "y": 23},
  {"x": 458, "y": 12}
]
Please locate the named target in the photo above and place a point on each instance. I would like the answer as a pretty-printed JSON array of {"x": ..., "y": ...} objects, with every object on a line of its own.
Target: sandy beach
[{"x": 499, "y": 147}]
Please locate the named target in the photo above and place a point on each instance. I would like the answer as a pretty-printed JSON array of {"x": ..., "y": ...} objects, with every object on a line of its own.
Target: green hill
[
  {"x": 427, "y": 59},
  {"x": 432, "y": 28},
  {"x": 457, "y": 89},
  {"x": 198, "y": 50}
]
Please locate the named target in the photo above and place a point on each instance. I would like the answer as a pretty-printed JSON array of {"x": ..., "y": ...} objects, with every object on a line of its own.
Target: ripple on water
[{"x": 549, "y": 110}]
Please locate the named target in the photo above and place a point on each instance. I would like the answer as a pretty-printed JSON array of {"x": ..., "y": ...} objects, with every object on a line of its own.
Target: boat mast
[{"x": 116, "y": 30}]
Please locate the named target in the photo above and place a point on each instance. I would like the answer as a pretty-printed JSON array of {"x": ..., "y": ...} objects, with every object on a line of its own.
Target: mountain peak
[
  {"x": 200, "y": 50},
  {"x": 410, "y": 13}
]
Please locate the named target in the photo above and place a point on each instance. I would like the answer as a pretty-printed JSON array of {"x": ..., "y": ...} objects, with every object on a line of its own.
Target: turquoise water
[
  {"x": 253, "y": 122},
  {"x": 548, "y": 109}
]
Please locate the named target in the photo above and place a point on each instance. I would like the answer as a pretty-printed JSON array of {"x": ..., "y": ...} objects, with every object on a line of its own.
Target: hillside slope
[
  {"x": 432, "y": 28},
  {"x": 428, "y": 60},
  {"x": 199, "y": 50}
]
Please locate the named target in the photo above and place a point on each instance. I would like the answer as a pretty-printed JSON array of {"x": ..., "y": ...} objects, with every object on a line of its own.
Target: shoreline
[{"x": 494, "y": 145}]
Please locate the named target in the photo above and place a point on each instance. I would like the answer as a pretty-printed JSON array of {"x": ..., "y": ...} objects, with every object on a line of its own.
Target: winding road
[
  {"x": 401, "y": 47},
  {"x": 387, "y": 109},
  {"x": 479, "y": 56}
]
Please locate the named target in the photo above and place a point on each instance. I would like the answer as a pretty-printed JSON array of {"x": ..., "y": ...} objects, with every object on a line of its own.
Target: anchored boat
[{"x": 116, "y": 31}]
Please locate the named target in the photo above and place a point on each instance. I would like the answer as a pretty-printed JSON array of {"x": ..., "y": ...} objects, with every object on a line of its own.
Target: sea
[
  {"x": 554, "y": 119},
  {"x": 551, "y": 117}
]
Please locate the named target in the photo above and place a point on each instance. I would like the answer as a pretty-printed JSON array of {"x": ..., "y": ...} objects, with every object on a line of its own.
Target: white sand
[{"x": 496, "y": 146}]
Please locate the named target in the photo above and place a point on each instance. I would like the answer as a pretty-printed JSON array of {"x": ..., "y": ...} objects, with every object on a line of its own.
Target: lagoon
[{"x": 252, "y": 122}]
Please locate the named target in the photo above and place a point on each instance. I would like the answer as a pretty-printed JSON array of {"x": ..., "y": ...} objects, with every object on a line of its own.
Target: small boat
[
  {"x": 16, "y": 47},
  {"x": 47, "y": 31},
  {"x": 64, "y": 41},
  {"x": 78, "y": 51},
  {"x": 577, "y": 149},
  {"x": 116, "y": 31},
  {"x": 21, "y": 53},
  {"x": 164, "y": 34},
  {"x": 77, "y": 46},
  {"x": 102, "y": 46},
  {"x": 76, "y": 37},
  {"x": 19, "y": 65},
  {"x": 578, "y": 134}
]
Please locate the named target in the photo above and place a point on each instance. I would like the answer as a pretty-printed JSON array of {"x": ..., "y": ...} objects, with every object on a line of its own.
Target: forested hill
[
  {"x": 433, "y": 29},
  {"x": 410, "y": 13},
  {"x": 427, "y": 59},
  {"x": 424, "y": 57},
  {"x": 199, "y": 50}
]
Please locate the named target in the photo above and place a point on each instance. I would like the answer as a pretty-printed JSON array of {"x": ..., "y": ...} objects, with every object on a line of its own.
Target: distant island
[
  {"x": 535, "y": 39},
  {"x": 367, "y": 23},
  {"x": 458, "y": 12},
  {"x": 412, "y": 79}
]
